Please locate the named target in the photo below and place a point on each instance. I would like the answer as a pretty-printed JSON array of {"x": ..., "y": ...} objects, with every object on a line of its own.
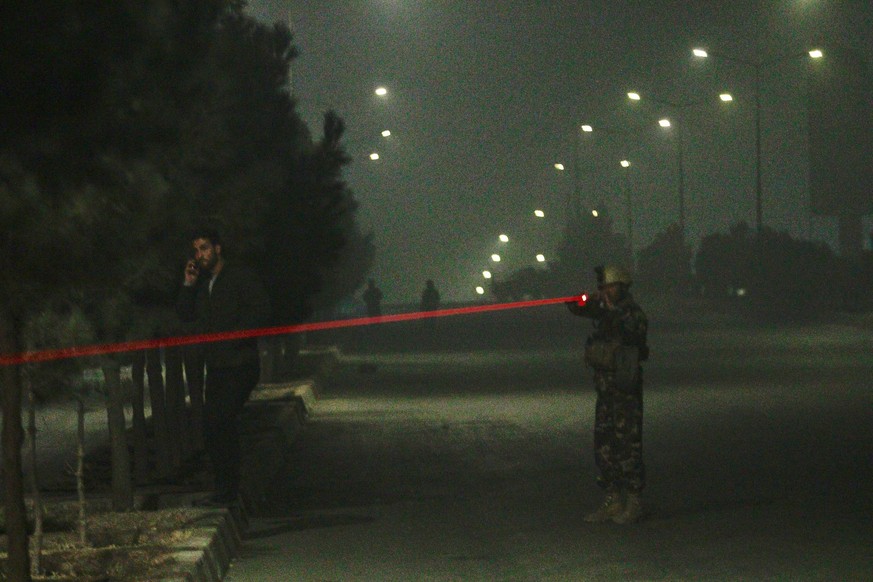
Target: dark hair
[{"x": 207, "y": 232}]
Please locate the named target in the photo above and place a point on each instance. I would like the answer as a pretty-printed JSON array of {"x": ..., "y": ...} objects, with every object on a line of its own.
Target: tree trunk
[
  {"x": 36, "y": 498},
  {"x": 122, "y": 486},
  {"x": 157, "y": 399},
  {"x": 18, "y": 561},
  {"x": 175, "y": 400},
  {"x": 140, "y": 438},
  {"x": 80, "y": 468},
  {"x": 194, "y": 376}
]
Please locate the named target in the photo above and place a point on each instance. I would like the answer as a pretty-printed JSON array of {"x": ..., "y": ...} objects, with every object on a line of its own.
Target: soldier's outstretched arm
[{"x": 586, "y": 305}]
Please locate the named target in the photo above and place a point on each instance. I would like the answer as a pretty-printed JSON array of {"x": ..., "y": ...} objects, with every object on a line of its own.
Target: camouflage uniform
[{"x": 618, "y": 424}]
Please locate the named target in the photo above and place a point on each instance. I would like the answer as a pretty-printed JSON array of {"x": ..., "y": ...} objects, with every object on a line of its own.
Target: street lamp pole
[
  {"x": 680, "y": 138},
  {"x": 677, "y": 108},
  {"x": 758, "y": 67},
  {"x": 629, "y": 211},
  {"x": 573, "y": 207},
  {"x": 759, "y": 197}
]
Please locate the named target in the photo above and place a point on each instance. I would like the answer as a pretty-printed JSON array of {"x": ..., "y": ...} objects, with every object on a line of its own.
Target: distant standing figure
[
  {"x": 430, "y": 297},
  {"x": 373, "y": 298}
]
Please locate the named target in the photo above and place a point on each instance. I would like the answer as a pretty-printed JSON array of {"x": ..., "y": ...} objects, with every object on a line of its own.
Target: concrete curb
[
  {"x": 271, "y": 423},
  {"x": 215, "y": 541}
]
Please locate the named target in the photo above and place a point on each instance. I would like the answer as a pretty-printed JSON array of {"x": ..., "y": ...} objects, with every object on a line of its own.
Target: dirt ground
[
  {"x": 123, "y": 547},
  {"x": 120, "y": 547}
]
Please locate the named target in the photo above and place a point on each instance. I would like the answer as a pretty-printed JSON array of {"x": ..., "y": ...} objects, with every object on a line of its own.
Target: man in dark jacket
[
  {"x": 222, "y": 296},
  {"x": 614, "y": 350}
]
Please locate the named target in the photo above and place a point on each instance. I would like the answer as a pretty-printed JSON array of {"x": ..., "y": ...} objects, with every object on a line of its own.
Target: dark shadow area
[{"x": 308, "y": 522}]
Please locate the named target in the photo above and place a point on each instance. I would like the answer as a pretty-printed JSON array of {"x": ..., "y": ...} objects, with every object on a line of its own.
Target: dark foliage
[
  {"x": 778, "y": 275},
  {"x": 665, "y": 264},
  {"x": 125, "y": 123}
]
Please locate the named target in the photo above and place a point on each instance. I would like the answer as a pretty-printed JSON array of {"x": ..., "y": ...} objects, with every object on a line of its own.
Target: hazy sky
[{"x": 485, "y": 97}]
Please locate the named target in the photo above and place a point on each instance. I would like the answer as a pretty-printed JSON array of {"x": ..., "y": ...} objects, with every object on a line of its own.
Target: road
[{"x": 467, "y": 456}]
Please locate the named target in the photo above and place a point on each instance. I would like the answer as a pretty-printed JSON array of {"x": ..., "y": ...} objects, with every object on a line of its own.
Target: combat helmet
[{"x": 613, "y": 274}]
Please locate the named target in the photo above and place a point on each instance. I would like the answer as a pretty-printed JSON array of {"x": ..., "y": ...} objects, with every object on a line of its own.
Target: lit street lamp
[
  {"x": 680, "y": 141},
  {"x": 589, "y": 129},
  {"x": 757, "y": 66}
]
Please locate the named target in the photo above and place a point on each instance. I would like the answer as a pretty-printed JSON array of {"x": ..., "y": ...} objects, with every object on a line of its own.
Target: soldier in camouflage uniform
[{"x": 614, "y": 350}]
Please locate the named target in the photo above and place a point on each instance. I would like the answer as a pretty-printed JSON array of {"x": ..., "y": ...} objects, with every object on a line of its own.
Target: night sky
[{"x": 485, "y": 97}]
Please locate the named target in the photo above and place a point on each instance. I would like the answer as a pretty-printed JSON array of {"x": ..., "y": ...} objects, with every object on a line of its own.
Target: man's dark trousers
[{"x": 227, "y": 390}]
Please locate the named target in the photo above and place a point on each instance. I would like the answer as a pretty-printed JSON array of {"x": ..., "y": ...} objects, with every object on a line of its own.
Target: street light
[
  {"x": 680, "y": 141},
  {"x": 381, "y": 91},
  {"x": 587, "y": 128},
  {"x": 757, "y": 66},
  {"x": 504, "y": 238}
]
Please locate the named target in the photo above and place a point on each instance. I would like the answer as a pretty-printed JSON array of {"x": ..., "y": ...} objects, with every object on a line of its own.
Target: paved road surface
[{"x": 468, "y": 457}]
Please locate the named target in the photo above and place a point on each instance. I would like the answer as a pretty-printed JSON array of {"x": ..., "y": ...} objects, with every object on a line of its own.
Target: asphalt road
[{"x": 466, "y": 455}]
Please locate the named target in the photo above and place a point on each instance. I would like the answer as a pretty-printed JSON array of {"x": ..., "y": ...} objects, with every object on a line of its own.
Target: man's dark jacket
[{"x": 237, "y": 302}]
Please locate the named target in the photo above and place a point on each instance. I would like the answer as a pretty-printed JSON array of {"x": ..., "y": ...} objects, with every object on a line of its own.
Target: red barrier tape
[{"x": 97, "y": 350}]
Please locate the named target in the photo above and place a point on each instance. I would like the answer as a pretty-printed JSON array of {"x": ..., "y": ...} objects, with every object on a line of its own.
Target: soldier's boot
[
  {"x": 612, "y": 506},
  {"x": 632, "y": 511}
]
